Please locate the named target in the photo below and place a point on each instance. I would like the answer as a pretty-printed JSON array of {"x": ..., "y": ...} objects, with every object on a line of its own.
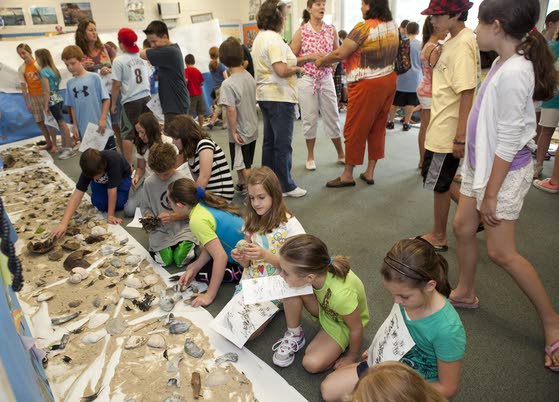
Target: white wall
[{"x": 111, "y": 14}]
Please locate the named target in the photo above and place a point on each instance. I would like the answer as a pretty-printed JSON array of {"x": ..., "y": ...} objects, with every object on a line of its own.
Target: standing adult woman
[
  {"x": 98, "y": 59},
  {"x": 275, "y": 68},
  {"x": 317, "y": 93},
  {"x": 371, "y": 49}
]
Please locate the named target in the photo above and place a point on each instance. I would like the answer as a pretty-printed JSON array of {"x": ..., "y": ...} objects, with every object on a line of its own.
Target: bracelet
[{"x": 456, "y": 142}]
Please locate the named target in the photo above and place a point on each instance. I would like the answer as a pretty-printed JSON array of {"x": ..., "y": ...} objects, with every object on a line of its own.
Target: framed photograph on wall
[
  {"x": 134, "y": 10},
  {"x": 74, "y": 12},
  {"x": 43, "y": 15},
  {"x": 11, "y": 16},
  {"x": 201, "y": 17}
]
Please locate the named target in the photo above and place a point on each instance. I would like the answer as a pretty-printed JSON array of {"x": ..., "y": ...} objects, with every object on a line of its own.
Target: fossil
[
  {"x": 41, "y": 246},
  {"x": 56, "y": 255},
  {"x": 71, "y": 245},
  {"x": 77, "y": 259},
  {"x": 241, "y": 245},
  {"x": 150, "y": 223}
]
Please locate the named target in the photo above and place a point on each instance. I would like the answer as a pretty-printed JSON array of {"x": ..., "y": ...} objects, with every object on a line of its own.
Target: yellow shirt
[
  {"x": 457, "y": 70},
  {"x": 269, "y": 48}
]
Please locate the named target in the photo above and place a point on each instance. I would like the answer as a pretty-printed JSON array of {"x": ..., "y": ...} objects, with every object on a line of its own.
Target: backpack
[{"x": 403, "y": 61}]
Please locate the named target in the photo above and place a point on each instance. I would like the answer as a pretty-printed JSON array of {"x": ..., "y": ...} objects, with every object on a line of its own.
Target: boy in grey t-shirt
[
  {"x": 172, "y": 242},
  {"x": 238, "y": 95}
]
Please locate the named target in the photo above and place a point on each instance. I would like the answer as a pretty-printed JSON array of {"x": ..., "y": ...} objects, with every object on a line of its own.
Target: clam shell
[
  {"x": 179, "y": 327},
  {"x": 133, "y": 260},
  {"x": 65, "y": 318},
  {"x": 94, "y": 337},
  {"x": 217, "y": 378},
  {"x": 130, "y": 293},
  {"x": 71, "y": 245},
  {"x": 151, "y": 279},
  {"x": 97, "y": 320},
  {"x": 98, "y": 231},
  {"x": 135, "y": 342},
  {"x": 45, "y": 296},
  {"x": 227, "y": 357},
  {"x": 192, "y": 349},
  {"x": 81, "y": 272},
  {"x": 133, "y": 282},
  {"x": 157, "y": 341},
  {"x": 74, "y": 304},
  {"x": 115, "y": 262},
  {"x": 116, "y": 326},
  {"x": 56, "y": 255},
  {"x": 75, "y": 278},
  {"x": 111, "y": 273},
  {"x": 107, "y": 249}
]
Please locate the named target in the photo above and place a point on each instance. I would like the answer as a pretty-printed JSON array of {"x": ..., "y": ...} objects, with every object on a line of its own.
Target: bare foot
[{"x": 53, "y": 150}]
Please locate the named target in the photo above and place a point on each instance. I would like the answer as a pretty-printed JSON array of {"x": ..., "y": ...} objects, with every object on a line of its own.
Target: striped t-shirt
[{"x": 221, "y": 181}]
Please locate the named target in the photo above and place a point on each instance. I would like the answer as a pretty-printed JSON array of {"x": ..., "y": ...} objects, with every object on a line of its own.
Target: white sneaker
[
  {"x": 310, "y": 165},
  {"x": 66, "y": 153},
  {"x": 286, "y": 348},
  {"x": 298, "y": 192}
]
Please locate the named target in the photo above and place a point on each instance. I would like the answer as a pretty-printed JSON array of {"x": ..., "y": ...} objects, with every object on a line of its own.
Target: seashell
[
  {"x": 115, "y": 262},
  {"x": 124, "y": 241},
  {"x": 151, "y": 279},
  {"x": 94, "y": 337},
  {"x": 133, "y": 282},
  {"x": 174, "y": 382},
  {"x": 111, "y": 273},
  {"x": 157, "y": 341},
  {"x": 227, "y": 357},
  {"x": 96, "y": 302},
  {"x": 135, "y": 342},
  {"x": 71, "y": 245},
  {"x": 56, "y": 255},
  {"x": 107, "y": 249},
  {"x": 174, "y": 398},
  {"x": 45, "y": 296},
  {"x": 116, "y": 326},
  {"x": 81, "y": 272},
  {"x": 65, "y": 318},
  {"x": 241, "y": 245},
  {"x": 130, "y": 293},
  {"x": 97, "y": 320},
  {"x": 179, "y": 327},
  {"x": 76, "y": 259},
  {"x": 192, "y": 349},
  {"x": 94, "y": 239},
  {"x": 216, "y": 379},
  {"x": 173, "y": 365},
  {"x": 74, "y": 304},
  {"x": 133, "y": 260},
  {"x": 98, "y": 231},
  {"x": 41, "y": 246},
  {"x": 75, "y": 278}
]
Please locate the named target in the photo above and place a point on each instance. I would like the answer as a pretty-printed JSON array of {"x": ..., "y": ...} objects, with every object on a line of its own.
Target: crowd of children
[{"x": 183, "y": 178}]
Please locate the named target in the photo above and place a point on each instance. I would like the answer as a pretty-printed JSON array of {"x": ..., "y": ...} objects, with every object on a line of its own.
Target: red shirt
[{"x": 194, "y": 80}]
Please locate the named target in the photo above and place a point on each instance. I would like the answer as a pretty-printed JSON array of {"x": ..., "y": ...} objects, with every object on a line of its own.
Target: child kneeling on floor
[
  {"x": 416, "y": 276},
  {"x": 338, "y": 301},
  {"x": 109, "y": 175},
  {"x": 171, "y": 242}
]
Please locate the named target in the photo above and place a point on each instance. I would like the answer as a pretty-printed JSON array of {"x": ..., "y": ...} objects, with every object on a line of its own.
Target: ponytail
[
  {"x": 534, "y": 47},
  {"x": 188, "y": 193},
  {"x": 217, "y": 202},
  {"x": 443, "y": 285},
  {"x": 214, "y": 54},
  {"x": 310, "y": 255}
]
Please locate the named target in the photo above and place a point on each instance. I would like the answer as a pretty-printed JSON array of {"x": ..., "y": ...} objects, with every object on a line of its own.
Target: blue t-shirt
[
  {"x": 217, "y": 75},
  {"x": 553, "y": 103},
  {"x": 85, "y": 96},
  {"x": 440, "y": 336},
  {"x": 410, "y": 80},
  {"x": 54, "y": 82}
]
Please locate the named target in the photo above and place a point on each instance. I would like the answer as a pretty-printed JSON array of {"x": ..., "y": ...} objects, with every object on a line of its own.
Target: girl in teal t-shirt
[
  {"x": 416, "y": 276},
  {"x": 217, "y": 225},
  {"x": 338, "y": 301}
]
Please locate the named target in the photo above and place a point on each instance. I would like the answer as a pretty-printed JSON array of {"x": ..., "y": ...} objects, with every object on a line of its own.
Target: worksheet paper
[
  {"x": 50, "y": 120},
  {"x": 93, "y": 139},
  {"x": 270, "y": 288},
  {"x": 155, "y": 106}
]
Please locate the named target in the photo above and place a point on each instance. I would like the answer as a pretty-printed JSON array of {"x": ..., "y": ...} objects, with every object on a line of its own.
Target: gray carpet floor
[{"x": 504, "y": 356}]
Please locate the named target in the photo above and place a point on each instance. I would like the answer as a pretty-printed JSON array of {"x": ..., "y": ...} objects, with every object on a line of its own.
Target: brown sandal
[
  {"x": 337, "y": 183},
  {"x": 369, "y": 182}
]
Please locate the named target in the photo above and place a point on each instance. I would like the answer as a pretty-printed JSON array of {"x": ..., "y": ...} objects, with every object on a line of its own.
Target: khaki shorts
[
  {"x": 511, "y": 195},
  {"x": 38, "y": 107},
  {"x": 197, "y": 106},
  {"x": 425, "y": 102},
  {"x": 549, "y": 118}
]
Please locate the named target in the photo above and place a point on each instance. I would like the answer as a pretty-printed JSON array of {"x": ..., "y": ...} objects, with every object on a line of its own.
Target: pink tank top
[
  {"x": 425, "y": 86},
  {"x": 316, "y": 42}
]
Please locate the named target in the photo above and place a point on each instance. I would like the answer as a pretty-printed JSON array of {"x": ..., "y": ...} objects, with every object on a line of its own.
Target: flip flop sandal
[
  {"x": 439, "y": 248},
  {"x": 467, "y": 306},
  {"x": 549, "y": 350}
]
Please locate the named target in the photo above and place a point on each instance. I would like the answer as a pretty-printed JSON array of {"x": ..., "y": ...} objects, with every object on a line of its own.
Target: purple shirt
[{"x": 521, "y": 159}]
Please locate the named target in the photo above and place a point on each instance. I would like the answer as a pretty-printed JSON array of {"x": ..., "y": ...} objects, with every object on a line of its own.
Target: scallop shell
[
  {"x": 81, "y": 272},
  {"x": 75, "y": 278},
  {"x": 97, "y": 320},
  {"x": 45, "y": 296},
  {"x": 151, "y": 279},
  {"x": 98, "y": 231},
  {"x": 130, "y": 293},
  {"x": 157, "y": 341},
  {"x": 94, "y": 337},
  {"x": 133, "y": 282},
  {"x": 135, "y": 342}
]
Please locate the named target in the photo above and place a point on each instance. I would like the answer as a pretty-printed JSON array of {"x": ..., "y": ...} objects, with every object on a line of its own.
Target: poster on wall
[
  {"x": 43, "y": 15},
  {"x": 253, "y": 7},
  {"x": 74, "y": 12},
  {"x": 134, "y": 10},
  {"x": 249, "y": 33},
  {"x": 11, "y": 16},
  {"x": 228, "y": 30}
]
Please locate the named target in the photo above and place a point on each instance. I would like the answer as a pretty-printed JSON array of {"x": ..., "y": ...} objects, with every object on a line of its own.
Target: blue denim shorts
[{"x": 56, "y": 111}]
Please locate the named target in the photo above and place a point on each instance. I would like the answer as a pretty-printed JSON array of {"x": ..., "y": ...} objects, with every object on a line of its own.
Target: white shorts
[
  {"x": 538, "y": 106},
  {"x": 511, "y": 195},
  {"x": 425, "y": 102},
  {"x": 549, "y": 118},
  {"x": 322, "y": 104}
]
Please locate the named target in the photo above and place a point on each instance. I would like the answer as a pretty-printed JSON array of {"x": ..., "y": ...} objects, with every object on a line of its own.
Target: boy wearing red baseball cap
[
  {"x": 131, "y": 79},
  {"x": 456, "y": 76}
]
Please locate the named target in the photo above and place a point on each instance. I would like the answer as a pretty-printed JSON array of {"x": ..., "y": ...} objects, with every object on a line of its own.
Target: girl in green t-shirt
[
  {"x": 338, "y": 300},
  {"x": 416, "y": 276}
]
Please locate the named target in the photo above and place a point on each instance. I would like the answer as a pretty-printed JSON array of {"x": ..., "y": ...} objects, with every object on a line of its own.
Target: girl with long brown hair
[{"x": 217, "y": 225}]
